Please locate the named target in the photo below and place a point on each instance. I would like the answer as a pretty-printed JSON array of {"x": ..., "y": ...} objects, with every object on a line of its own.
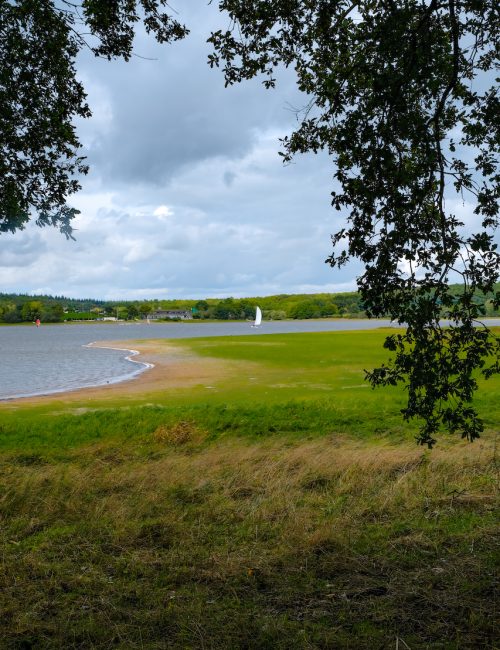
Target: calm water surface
[{"x": 54, "y": 358}]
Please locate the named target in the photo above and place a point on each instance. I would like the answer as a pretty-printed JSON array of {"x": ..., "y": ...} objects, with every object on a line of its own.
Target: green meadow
[{"x": 279, "y": 502}]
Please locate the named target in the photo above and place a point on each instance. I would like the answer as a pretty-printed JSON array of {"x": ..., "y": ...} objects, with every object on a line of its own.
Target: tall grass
[{"x": 280, "y": 544}]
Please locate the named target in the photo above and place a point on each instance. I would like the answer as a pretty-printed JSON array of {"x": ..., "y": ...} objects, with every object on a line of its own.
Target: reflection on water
[{"x": 54, "y": 358}]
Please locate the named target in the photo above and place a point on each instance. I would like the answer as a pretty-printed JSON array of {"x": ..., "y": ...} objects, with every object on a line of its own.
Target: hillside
[{"x": 18, "y": 308}]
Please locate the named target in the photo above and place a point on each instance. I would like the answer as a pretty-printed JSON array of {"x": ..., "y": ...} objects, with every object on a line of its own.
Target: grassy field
[{"x": 278, "y": 503}]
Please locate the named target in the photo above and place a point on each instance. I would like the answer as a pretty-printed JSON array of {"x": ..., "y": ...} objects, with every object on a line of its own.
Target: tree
[
  {"x": 246, "y": 309},
  {"x": 53, "y": 313},
  {"x": 132, "y": 312},
  {"x": 201, "y": 305},
  {"x": 223, "y": 310},
  {"x": 12, "y": 316},
  {"x": 40, "y": 95},
  {"x": 145, "y": 308},
  {"x": 31, "y": 310},
  {"x": 400, "y": 94},
  {"x": 305, "y": 309}
]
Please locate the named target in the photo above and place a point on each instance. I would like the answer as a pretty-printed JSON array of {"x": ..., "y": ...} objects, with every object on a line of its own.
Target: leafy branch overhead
[
  {"x": 40, "y": 96},
  {"x": 402, "y": 96}
]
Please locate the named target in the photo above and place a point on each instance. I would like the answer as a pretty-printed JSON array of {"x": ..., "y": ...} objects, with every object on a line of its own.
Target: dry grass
[
  {"x": 179, "y": 433},
  {"x": 323, "y": 544}
]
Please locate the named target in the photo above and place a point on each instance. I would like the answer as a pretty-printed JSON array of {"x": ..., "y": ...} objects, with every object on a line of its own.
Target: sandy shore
[{"x": 172, "y": 367}]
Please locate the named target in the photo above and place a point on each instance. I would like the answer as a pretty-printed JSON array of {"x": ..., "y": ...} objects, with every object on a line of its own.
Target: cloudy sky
[{"x": 186, "y": 195}]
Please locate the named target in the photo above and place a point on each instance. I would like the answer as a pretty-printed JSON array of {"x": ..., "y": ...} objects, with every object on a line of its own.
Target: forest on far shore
[{"x": 24, "y": 308}]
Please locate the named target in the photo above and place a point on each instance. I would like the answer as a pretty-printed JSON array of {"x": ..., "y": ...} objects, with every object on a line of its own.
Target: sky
[{"x": 186, "y": 196}]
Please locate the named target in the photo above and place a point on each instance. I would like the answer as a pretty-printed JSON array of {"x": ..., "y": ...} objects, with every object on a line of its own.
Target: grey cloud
[
  {"x": 21, "y": 249},
  {"x": 176, "y": 242},
  {"x": 187, "y": 196},
  {"x": 174, "y": 111},
  {"x": 229, "y": 178}
]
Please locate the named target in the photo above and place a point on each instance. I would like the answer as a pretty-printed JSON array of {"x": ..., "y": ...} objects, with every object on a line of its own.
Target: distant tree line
[
  {"x": 21, "y": 308},
  {"x": 281, "y": 307}
]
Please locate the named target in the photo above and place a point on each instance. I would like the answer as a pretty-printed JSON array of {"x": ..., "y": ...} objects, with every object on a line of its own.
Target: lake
[{"x": 55, "y": 358}]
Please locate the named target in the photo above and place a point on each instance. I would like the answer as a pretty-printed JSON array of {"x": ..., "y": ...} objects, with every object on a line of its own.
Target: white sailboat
[{"x": 258, "y": 317}]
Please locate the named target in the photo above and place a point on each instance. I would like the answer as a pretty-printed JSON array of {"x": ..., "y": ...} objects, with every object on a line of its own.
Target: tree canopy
[{"x": 400, "y": 93}]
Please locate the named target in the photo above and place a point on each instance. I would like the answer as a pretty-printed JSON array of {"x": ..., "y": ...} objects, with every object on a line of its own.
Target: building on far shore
[{"x": 183, "y": 314}]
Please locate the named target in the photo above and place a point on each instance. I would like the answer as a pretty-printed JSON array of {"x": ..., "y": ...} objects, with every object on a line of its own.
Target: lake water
[{"x": 55, "y": 358}]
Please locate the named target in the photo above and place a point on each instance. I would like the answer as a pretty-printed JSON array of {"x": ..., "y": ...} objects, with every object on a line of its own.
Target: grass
[{"x": 283, "y": 508}]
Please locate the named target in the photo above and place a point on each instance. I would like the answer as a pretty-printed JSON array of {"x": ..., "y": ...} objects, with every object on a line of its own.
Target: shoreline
[
  {"x": 169, "y": 367},
  {"x": 165, "y": 367},
  {"x": 133, "y": 353},
  {"x": 102, "y": 384}
]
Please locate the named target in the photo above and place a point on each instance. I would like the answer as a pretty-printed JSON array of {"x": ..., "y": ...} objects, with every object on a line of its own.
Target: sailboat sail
[{"x": 258, "y": 317}]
